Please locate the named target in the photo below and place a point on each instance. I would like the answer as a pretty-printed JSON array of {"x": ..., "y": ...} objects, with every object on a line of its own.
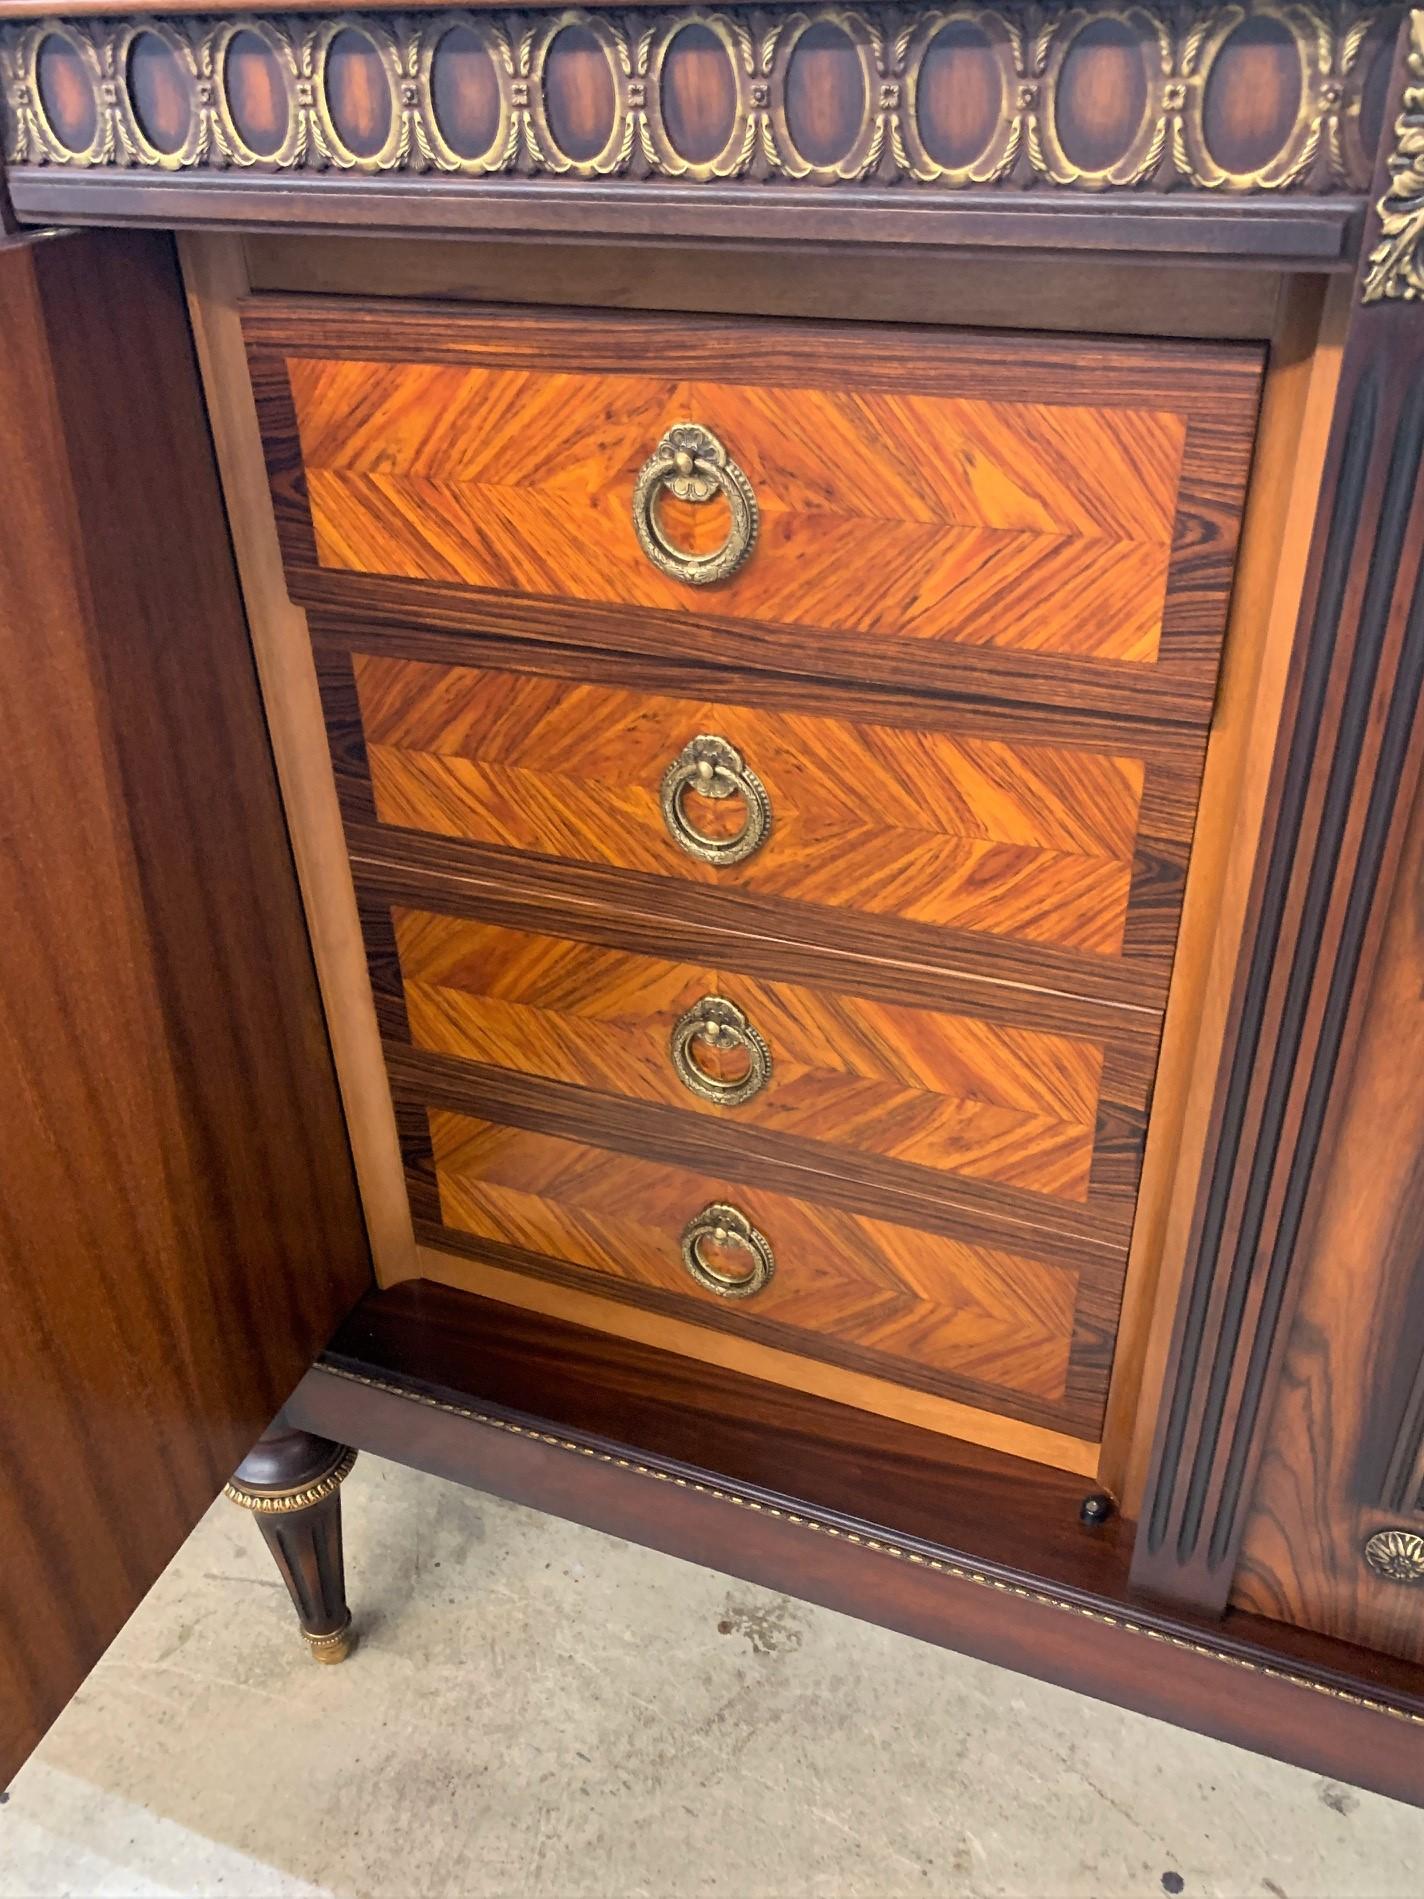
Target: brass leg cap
[{"x": 334, "y": 1647}]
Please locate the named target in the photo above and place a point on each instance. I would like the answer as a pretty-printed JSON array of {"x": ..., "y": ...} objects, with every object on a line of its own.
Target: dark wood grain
[
  {"x": 1341, "y": 795},
  {"x": 178, "y": 1221},
  {"x": 1277, "y": 233},
  {"x": 922, "y": 1533},
  {"x": 522, "y": 893},
  {"x": 1343, "y": 1454}
]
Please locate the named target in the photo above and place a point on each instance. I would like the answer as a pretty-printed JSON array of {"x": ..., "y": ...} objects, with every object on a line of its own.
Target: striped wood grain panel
[
  {"x": 924, "y": 1086},
  {"x": 1036, "y": 843},
  {"x": 903, "y": 1300},
  {"x": 1034, "y": 498},
  {"x": 992, "y": 523}
]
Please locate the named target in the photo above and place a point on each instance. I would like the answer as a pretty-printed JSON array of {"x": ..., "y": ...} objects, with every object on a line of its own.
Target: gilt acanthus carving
[{"x": 1396, "y": 266}]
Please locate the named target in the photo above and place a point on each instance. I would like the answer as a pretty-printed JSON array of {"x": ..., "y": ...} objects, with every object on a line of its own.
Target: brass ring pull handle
[
  {"x": 724, "y": 1226},
  {"x": 693, "y": 465},
  {"x": 712, "y": 768},
  {"x": 717, "y": 1024}
]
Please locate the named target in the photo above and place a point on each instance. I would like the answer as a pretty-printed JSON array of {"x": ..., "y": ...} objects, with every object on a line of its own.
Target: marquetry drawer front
[
  {"x": 1069, "y": 854},
  {"x": 1035, "y": 1113},
  {"x": 1052, "y": 518},
  {"x": 990, "y": 1323}
]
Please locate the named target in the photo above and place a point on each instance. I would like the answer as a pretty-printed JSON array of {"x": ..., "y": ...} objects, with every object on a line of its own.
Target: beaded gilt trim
[
  {"x": 882, "y": 1546},
  {"x": 270, "y": 1503}
]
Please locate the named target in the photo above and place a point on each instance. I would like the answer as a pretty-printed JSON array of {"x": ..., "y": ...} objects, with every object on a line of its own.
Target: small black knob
[{"x": 1095, "y": 1508}]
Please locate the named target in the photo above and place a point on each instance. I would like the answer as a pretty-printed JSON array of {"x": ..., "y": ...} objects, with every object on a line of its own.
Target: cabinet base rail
[{"x": 941, "y": 1540}]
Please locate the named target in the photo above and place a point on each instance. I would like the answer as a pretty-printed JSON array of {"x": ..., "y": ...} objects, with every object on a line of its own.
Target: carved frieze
[{"x": 1252, "y": 97}]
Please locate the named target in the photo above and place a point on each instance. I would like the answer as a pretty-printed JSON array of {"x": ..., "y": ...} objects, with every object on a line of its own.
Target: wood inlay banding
[
  {"x": 923, "y": 1086},
  {"x": 986, "y": 1317},
  {"x": 901, "y": 516},
  {"x": 1034, "y": 844},
  {"x": 929, "y": 502}
]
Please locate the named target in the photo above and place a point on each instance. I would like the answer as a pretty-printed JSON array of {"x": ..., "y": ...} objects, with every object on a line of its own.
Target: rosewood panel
[
  {"x": 946, "y": 1091},
  {"x": 1342, "y": 792},
  {"x": 1343, "y": 1459},
  {"x": 1067, "y": 509},
  {"x": 1072, "y": 860},
  {"x": 972, "y": 1321},
  {"x": 178, "y": 1223}
]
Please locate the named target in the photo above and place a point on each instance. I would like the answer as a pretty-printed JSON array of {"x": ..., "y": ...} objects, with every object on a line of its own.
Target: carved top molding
[{"x": 1258, "y": 97}]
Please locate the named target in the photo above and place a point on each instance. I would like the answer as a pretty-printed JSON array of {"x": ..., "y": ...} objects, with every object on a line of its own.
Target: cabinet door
[{"x": 179, "y": 1229}]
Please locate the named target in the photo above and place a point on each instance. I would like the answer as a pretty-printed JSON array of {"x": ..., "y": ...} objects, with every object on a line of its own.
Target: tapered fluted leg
[{"x": 291, "y": 1482}]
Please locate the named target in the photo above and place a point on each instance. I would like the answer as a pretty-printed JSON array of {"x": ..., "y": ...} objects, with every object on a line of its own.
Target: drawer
[
  {"x": 1016, "y": 1111},
  {"x": 1001, "y": 1328},
  {"x": 1061, "y": 857},
  {"x": 1048, "y": 518}
]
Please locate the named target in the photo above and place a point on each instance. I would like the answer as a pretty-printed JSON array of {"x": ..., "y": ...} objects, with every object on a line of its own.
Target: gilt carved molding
[
  {"x": 1262, "y": 96},
  {"x": 1396, "y": 268}
]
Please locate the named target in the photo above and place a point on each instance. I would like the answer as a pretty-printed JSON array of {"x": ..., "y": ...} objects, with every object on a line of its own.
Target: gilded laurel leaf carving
[{"x": 1396, "y": 268}]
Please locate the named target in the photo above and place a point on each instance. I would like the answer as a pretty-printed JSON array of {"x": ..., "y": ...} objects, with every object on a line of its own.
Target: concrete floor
[{"x": 539, "y": 1710}]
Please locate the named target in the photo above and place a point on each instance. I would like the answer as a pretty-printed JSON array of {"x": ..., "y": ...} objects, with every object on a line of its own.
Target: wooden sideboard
[{"x": 718, "y": 819}]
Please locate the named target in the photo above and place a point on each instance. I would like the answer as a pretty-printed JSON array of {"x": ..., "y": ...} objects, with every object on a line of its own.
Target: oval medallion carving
[
  {"x": 960, "y": 95},
  {"x": 698, "y": 94},
  {"x": 257, "y": 99},
  {"x": 1252, "y": 96},
  {"x": 160, "y": 93},
  {"x": 464, "y": 92},
  {"x": 1102, "y": 95},
  {"x": 66, "y": 93},
  {"x": 826, "y": 96},
  {"x": 358, "y": 93},
  {"x": 580, "y": 102}
]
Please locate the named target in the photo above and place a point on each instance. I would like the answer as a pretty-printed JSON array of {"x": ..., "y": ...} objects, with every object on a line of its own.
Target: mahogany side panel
[{"x": 179, "y": 1229}]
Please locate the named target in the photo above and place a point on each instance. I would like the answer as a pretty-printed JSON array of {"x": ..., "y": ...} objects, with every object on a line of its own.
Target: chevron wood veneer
[
  {"x": 895, "y": 1298},
  {"x": 913, "y": 1084},
  {"x": 1024, "y": 841},
  {"x": 912, "y": 517},
  {"x": 946, "y": 495}
]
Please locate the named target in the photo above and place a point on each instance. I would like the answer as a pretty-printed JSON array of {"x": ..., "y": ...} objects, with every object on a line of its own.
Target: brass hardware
[
  {"x": 724, "y": 1226},
  {"x": 712, "y": 768},
  {"x": 1028, "y": 50},
  {"x": 719, "y": 1024},
  {"x": 1396, "y": 264},
  {"x": 693, "y": 465},
  {"x": 334, "y": 1647},
  {"x": 1397, "y": 1555},
  {"x": 276, "y": 1503}
]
